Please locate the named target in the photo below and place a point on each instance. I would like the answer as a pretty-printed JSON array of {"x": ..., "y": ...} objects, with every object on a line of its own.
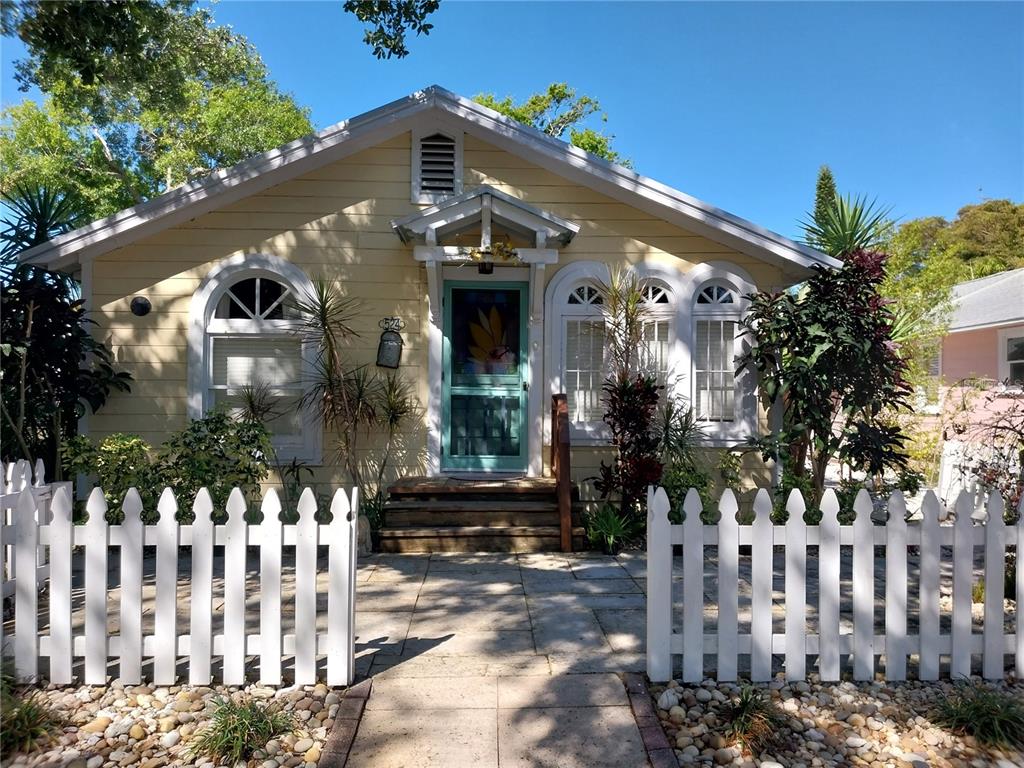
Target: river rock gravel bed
[
  {"x": 880, "y": 725},
  {"x": 147, "y": 726}
]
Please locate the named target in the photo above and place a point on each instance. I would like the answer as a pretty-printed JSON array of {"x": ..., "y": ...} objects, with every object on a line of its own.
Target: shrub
[
  {"x": 753, "y": 720},
  {"x": 609, "y": 528},
  {"x": 677, "y": 479},
  {"x": 121, "y": 461},
  {"x": 24, "y": 722},
  {"x": 995, "y": 718},
  {"x": 239, "y": 728}
]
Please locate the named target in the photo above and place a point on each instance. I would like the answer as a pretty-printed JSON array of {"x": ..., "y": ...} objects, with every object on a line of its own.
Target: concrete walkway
[{"x": 499, "y": 660}]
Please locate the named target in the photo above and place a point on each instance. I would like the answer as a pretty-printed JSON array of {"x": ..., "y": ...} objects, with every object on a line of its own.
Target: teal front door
[{"x": 483, "y": 421}]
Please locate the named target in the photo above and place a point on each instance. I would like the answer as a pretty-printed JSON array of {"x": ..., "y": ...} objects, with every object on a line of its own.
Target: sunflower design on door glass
[{"x": 490, "y": 351}]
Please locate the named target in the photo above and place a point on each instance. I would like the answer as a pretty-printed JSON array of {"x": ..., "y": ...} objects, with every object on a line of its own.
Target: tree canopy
[
  {"x": 166, "y": 97},
  {"x": 556, "y": 111}
]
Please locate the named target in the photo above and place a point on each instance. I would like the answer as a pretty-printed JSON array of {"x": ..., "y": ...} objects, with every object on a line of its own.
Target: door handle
[{"x": 526, "y": 386}]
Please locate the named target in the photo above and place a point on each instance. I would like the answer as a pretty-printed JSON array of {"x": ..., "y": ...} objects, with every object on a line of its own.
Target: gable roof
[
  {"x": 988, "y": 301},
  {"x": 338, "y": 141}
]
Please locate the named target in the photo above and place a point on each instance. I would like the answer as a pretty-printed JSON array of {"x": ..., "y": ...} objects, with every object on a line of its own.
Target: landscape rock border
[{"x": 874, "y": 724}]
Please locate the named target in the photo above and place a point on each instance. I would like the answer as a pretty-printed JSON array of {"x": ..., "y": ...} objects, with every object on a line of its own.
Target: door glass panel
[
  {"x": 485, "y": 334},
  {"x": 484, "y": 425}
]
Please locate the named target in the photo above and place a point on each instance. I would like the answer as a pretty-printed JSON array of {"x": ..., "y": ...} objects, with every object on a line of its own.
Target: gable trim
[{"x": 300, "y": 156}]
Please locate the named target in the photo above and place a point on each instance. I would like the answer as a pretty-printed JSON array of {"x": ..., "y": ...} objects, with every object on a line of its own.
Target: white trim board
[{"x": 434, "y": 103}]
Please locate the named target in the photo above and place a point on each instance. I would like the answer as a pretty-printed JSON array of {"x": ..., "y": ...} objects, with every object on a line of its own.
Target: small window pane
[
  {"x": 1015, "y": 348},
  {"x": 584, "y": 367},
  {"x": 714, "y": 373},
  {"x": 241, "y": 362}
]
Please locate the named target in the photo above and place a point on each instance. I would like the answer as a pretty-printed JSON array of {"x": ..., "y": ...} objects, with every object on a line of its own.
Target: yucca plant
[
  {"x": 36, "y": 214},
  {"x": 847, "y": 226}
]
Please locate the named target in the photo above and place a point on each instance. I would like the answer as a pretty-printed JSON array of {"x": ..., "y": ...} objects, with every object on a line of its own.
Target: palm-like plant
[
  {"x": 847, "y": 226},
  {"x": 36, "y": 214}
]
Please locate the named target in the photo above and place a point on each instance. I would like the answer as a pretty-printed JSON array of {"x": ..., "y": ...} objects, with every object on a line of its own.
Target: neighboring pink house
[
  {"x": 986, "y": 331},
  {"x": 985, "y": 346}
]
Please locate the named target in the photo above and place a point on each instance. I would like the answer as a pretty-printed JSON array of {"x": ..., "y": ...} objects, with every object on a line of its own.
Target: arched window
[
  {"x": 584, "y": 365},
  {"x": 716, "y": 316},
  {"x": 658, "y": 330},
  {"x": 246, "y": 352}
]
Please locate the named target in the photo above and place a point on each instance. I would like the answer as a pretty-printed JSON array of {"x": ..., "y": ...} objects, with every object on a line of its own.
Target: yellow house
[{"x": 480, "y": 238}]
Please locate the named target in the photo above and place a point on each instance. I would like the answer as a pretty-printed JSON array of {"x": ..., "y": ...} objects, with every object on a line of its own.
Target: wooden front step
[{"x": 439, "y": 514}]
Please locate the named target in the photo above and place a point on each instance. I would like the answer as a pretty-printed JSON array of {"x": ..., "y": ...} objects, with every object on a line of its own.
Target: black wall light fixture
[
  {"x": 389, "y": 350},
  {"x": 141, "y": 306}
]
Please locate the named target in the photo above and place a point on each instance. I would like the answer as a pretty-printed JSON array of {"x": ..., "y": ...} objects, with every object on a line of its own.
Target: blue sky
[{"x": 919, "y": 104}]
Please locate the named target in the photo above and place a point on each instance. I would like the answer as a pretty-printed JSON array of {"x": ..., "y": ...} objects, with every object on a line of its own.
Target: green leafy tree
[
  {"x": 556, "y": 111},
  {"x": 165, "y": 98},
  {"x": 389, "y": 22}
]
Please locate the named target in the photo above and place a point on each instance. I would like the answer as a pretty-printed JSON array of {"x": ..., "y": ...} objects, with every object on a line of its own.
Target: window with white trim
[
  {"x": 583, "y": 354},
  {"x": 1012, "y": 357},
  {"x": 436, "y": 165},
  {"x": 716, "y": 323},
  {"x": 658, "y": 331},
  {"x": 252, "y": 351}
]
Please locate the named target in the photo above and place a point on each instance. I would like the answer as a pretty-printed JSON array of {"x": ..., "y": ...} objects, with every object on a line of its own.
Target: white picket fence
[
  {"x": 822, "y": 637},
  {"x": 61, "y": 641},
  {"x": 18, "y": 476}
]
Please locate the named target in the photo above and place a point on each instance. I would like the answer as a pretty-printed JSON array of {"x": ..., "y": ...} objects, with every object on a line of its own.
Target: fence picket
[
  {"x": 341, "y": 589},
  {"x": 896, "y": 589},
  {"x": 165, "y": 620},
  {"x": 659, "y": 591},
  {"x": 863, "y": 588},
  {"x": 761, "y": 570},
  {"x": 270, "y": 590},
  {"x": 796, "y": 588},
  {"x": 828, "y": 587},
  {"x": 728, "y": 586},
  {"x": 963, "y": 562},
  {"x": 130, "y": 668},
  {"x": 306, "y": 531},
  {"x": 61, "y": 533},
  {"x": 995, "y": 568},
  {"x": 693, "y": 589},
  {"x": 236, "y": 535},
  {"x": 97, "y": 545},
  {"x": 26, "y": 596},
  {"x": 928, "y": 598},
  {"x": 201, "y": 606}
]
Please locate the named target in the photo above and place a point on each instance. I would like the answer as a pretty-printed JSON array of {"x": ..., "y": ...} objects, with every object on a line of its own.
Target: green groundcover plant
[
  {"x": 239, "y": 728},
  {"x": 994, "y": 717}
]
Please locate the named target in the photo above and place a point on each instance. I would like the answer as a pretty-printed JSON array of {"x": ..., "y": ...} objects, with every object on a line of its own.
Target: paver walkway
[{"x": 499, "y": 660}]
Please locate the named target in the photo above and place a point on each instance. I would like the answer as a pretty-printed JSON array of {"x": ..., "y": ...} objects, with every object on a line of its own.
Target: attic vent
[{"x": 437, "y": 167}]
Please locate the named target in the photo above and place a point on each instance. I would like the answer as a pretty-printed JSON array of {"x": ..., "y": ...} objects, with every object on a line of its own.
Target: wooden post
[{"x": 560, "y": 466}]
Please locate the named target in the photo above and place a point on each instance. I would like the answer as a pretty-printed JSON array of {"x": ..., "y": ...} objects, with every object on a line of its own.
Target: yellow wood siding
[{"x": 335, "y": 223}]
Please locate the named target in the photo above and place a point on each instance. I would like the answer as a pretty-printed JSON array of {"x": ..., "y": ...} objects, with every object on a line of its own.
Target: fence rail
[
  {"x": 82, "y": 581},
  {"x": 926, "y": 545}
]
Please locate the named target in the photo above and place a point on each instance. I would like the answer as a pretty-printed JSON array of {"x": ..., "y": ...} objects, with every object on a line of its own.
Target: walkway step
[{"x": 488, "y": 514}]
